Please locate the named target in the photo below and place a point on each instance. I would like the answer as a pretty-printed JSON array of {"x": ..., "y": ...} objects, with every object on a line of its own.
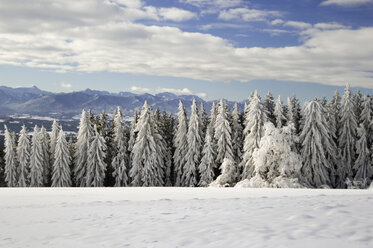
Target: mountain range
[{"x": 33, "y": 101}]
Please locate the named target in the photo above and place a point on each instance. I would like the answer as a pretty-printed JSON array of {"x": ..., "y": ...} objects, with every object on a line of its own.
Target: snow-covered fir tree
[
  {"x": 347, "y": 137},
  {"x": 203, "y": 119},
  {"x": 147, "y": 161},
  {"x": 96, "y": 165},
  {"x": 36, "y": 160},
  {"x": 207, "y": 166},
  {"x": 223, "y": 135},
  {"x": 212, "y": 117},
  {"x": 237, "y": 132},
  {"x": 194, "y": 141},
  {"x": 279, "y": 113},
  {"x": 53, "y": 138},
  {"x": 269, "y": 107},
  {"x": 315, "y": 138},
  {"x": 84, "y": 136},
  {"x": 47, "y": 167},
  {"x": 357, "y": 99},
  {"x": 120, "y": 160},
  {"x": 333, "y": 116},
  {"x": 23, "y": 156},
  {"x": 133, "y": 134},
  {"x": 61, "y": 174},
  {"x": 363, "y": 169},
  {"x": 294, "y": 113},
  {"x": 180, "y": 143},
  {"x": 253, "y": 132},
  {"x": 276, "y": 165},
  {"x": 10, "y": 169},
  {"x": 366, "y": 117}
]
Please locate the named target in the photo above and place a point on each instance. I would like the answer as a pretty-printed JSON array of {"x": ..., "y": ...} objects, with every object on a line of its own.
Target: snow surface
[{"x": 185, "y": 217}]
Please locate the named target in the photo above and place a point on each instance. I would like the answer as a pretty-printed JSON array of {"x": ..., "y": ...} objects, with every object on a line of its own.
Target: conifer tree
[
  {"x": 357, "y": 99},
  {"x": 333, "y": 116},
  {"x": 84, "y": 136},
  {"x": 223, "y": 134},
  {"x": 23, "y": 156},
  {"x": 61, "y": 174},
  {"x": 203, "y": 119},
  {"x": 194, "y": 141},
  {"x": 147, "y": 164},
  {"x": 36, "y": 160},
  {"x": 315, "y": 139},
  {"x": 96, "y": 165},
  {"x": 53, "y": 138},
  {"x": 293, "y": 113},
  {"x": 253, "y": 132},
  {"x": 367, "y": 118},
  {"x": 132, "y": 138},
  {"x": 279, "y": 113},
  {"x": 180, "y": 143},
  {"x": 363, "y": 168},
  {"x": 10, "y": 169},
  {"x": 347, "y": 137},
  {"x": 237, "y": 132},
  {"x": 72, "y": 151},
  {"x": 207, "y": 166},
  {"x": 120, "y": 160},
  {"x": 269, "y": 107},
  {"x": 47, "y": 168}
]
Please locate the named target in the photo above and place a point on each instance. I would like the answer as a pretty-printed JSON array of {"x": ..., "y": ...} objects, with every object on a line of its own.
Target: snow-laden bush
[
  {"x": 276, "y": 165},
  {"x": 228, "y": 174}
]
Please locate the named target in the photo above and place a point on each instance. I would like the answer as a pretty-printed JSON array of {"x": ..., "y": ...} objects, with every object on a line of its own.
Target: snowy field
[{"x": 185, "y": 217}]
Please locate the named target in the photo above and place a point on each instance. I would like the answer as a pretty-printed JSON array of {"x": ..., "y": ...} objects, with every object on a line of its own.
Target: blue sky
[{"x": 212, "y": 48}]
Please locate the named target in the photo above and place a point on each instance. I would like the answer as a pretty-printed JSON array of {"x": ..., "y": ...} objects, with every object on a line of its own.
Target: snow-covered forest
[{"x": 272, "y": 143}]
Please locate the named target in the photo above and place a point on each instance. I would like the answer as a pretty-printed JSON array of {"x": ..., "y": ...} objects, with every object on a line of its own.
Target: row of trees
[{"x": 323, "y": 144}]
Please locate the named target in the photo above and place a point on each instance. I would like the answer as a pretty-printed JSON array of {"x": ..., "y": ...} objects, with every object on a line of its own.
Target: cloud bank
[{"x": 90, "y": 36}]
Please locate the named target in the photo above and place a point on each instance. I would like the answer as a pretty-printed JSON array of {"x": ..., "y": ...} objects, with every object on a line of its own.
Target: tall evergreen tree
[
  {"x": 347, "y": 137},
  {"x": 120, "y": 160},
  {"x": 367, "y": 118},
  {"x": 180, "y": 143},
  {"x": 269, "y": 107},
  {"x": 47, "y": 168},
  {"x": 223, "y": 135},
  {"x": 294, "y": 113},
  {"x": 279, "y": 113},
  {"x": 237, "y": 132},
  {"x": 207, "y": 166},
  {"x": 357, "y": 99},
  {"x": 253, "y": 132},
  {"x": 53, "y": 138},
  {"x": 96, "y": 165},
  {"x": 316, "y": 144},
  {"x": 363, "y": 169},
  {"x": 147, "y": 164},
  {"x": 36, "y": 160},
  {"x": 10, "y": 169},
  {"x": 203, "y": 119},
  {"x": 84, "y": 136},
  {"x": 194, "y": 141},
  {"x": 23, "y": 156},
  {"x": 61, "y": 174}
]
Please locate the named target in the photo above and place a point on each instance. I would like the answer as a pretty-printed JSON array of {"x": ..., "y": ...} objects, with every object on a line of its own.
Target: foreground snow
[{"x": 185, "y": 217}]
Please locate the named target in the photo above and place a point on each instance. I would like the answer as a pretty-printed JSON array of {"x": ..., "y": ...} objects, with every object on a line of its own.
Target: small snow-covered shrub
[
  {"x": 228, "y": 175},
  {"x": 276, "y": 165}
]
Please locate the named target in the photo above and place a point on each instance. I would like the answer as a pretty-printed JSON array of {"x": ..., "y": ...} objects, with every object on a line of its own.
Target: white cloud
[
  {"x": 345, "y": 2},
  {"x": 175, "y": 14},
  {"x": 140, "y": 89},
  {"x": 79, "y": 38},
  {"x": 63, "y": 85},
  {"x": 299, "y": 25},
  {"x": 213, "y": 6},
  {"x": 247, "y": 14},
  {"x": 277, "y": 22},
  {"x": 184, "y": 91}
]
